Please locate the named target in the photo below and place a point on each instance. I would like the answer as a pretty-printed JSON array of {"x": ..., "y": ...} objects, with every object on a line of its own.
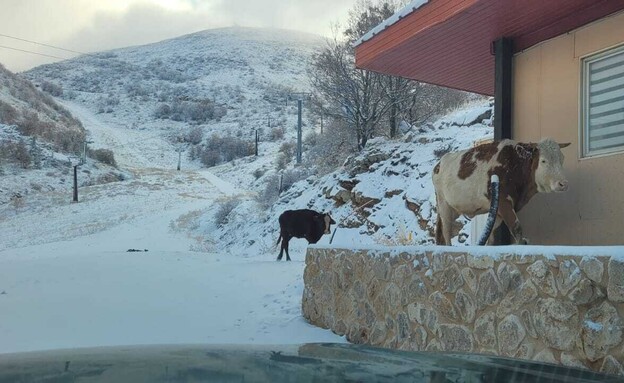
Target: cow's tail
[{"x": 279, "y": 239}]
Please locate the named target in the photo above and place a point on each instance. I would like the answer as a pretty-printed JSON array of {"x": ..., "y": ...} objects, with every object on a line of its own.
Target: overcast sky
[{"x": 94, "y": 25}]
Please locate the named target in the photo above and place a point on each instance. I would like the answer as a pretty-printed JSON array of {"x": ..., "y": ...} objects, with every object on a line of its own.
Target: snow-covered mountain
[{"x": 230, "y": 81}]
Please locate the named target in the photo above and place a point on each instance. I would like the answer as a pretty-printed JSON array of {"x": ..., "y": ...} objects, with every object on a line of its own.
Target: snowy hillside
[
  {"x": 383, "y": 195},
  {"x": 230, "y": 81},
  {"x": 39, "y": 141}
]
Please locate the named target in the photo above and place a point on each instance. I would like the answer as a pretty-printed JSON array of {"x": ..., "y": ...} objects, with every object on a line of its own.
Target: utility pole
[
  {"x": 75, "y": 183},
  {"x": 299, "y": 147},
  {"x": 256, "y": 142},
  {"x": 75, "y": 163},
  {"x": 300, "y": 96},
  {"x": 321, "y": 122},
  {"x": 269, "y": 120}
]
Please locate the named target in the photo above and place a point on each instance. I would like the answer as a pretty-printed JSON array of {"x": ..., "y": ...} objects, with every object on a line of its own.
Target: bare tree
[{"x": 361, "y": 98}]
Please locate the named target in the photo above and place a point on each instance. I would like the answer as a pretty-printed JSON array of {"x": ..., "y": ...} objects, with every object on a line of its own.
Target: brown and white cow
[{"x": 462, "y": 181}]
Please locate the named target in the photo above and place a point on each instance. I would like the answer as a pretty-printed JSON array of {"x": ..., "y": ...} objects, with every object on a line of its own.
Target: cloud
[{"x": 91, "y": 26}]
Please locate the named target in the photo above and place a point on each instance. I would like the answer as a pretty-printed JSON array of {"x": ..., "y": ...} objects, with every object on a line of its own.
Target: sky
[{"x": 93, "y": 25}]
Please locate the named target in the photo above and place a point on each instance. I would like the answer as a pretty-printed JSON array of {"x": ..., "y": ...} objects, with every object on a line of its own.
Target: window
[{"x": 603, "y": 103}]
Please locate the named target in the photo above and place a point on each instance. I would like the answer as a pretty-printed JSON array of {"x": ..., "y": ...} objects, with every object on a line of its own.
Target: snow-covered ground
[{"x": 67, "y": 279}]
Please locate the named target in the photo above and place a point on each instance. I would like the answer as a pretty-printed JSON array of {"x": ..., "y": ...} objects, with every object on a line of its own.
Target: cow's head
[
  {"x": 549, "y": 173},
  {"x": 327, "y": 222}
]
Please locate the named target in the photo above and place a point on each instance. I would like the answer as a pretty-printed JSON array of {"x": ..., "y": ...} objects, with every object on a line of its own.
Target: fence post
[{"x": 75, "y": 183}]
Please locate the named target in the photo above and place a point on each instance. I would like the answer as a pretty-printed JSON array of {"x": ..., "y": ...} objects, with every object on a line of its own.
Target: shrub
[
  {"x": 270, "y": 193},
  {"x": 224, "y": 210},
  {"x": 103, "y": 155},
  {"x": 282, "y": 161},
  {"x": 52, "y": 89},
  {"x": 288, "y": 148},
  {"x": 8, "y": 114},
  {"x": 332, "y": 147},
  {"x": 292, "y": 176},
  {"x": 195, "y": 136},
  {"x": 21, "y": 154},
  {"x": 224, "y": 149},
  {"x": 15, "y": 152},
  {"x": 276, "y": 134}
]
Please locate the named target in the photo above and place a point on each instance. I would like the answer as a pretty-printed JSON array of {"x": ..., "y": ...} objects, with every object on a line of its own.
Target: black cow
[{"x": 305, "y": 223}]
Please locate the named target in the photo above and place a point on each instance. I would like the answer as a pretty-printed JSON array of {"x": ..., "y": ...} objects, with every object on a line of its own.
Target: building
[{"x": 556, "y": 69}]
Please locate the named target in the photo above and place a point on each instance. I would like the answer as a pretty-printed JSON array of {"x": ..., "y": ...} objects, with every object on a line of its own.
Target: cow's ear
[{"x": 564, "y": 145}]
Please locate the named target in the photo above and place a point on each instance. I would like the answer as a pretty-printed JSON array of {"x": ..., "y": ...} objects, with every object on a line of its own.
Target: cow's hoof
[{"x": 523, "y": 241}]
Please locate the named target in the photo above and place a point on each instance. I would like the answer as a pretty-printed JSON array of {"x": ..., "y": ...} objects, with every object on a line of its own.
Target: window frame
[{"x": 586, "y": 61}]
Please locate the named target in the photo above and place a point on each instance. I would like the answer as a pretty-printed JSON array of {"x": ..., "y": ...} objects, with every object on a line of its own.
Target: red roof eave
[{"x": 448, "y": 42}]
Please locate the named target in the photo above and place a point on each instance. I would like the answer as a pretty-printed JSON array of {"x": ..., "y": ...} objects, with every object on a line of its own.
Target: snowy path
[
  {"x": 67, "y": 280},
  {"x": 125, "y": 143}
]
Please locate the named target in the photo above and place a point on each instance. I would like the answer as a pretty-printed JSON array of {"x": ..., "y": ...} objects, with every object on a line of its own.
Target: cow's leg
[
  {"x": 444, "y": 225},
  {"x": 497, "y": 224},
  {"x": 286, "y": 248},
  {"x": 283, "y": 246},
  {"x": 509, "y": 216}
]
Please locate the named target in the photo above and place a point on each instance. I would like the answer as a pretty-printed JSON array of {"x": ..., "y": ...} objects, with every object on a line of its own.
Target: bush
[
  {"x": 276, "y": 134},
  {"x": 270, "y": 193},
  {"x": 282, "y": 161},
  {"x": 195, "y": 136},
  {"x": 224, "y": 149},
  {"x": 288, "y": 149},
  {"x": 21, "y": 154},
  {"x": 332, "y": 147},
  {"x": 52, "y": 89},
  {"x": 103, "y": 155},
  {"x": 292, "y": 176},
  {"x": 200, "y": 111},
  {"x": 8, "y": 114},
  {"x": 224, "y": 210}
]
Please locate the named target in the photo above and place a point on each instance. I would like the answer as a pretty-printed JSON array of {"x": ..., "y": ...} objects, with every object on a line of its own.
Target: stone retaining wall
[{"x": 564, "y": 309}]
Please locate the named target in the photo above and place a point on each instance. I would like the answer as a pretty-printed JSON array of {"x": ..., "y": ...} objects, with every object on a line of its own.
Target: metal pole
[
  {"x": 179, "y": 158},
  {"x": 256, "y": 142},
  {"x": 489, "y": 225},
  {"x": 75, "y": 183},
  {"x": 321, "y": 122},
  {"x": 299, "y": 105},
  {"x": 84, "y": 153}
]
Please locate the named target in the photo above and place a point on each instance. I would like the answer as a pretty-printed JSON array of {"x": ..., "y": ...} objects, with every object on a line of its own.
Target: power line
[
  {"x": 45, "y": 45},
  {"x": 34, "y": 53}
]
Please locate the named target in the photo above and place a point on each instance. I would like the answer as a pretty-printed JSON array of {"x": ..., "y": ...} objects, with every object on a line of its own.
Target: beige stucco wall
[
  {"x": 523, "y": 302},
  {"x": 546, "y": 101}
]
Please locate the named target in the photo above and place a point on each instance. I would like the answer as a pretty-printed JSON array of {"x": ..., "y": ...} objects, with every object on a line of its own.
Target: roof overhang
[{"x": 449, "y": 42}]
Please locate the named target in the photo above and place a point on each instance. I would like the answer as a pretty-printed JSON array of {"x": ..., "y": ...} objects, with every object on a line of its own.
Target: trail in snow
[{"x": 67, "y": 280}]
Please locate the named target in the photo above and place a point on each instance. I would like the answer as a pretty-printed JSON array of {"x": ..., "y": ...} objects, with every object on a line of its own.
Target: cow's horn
[{"x": 564, "y": 145}]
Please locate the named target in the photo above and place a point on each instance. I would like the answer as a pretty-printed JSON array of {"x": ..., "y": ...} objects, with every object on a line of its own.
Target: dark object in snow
[
  {"x": 135, "y": 250},
  {"x": 304, "y": 223},
  {"x": 3, "y": 293}
]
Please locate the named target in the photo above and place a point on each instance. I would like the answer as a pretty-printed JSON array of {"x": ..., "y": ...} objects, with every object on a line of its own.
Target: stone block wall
[{"x": 549, "y": 304}]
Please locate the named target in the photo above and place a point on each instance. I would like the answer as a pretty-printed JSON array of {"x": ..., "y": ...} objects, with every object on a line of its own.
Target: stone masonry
[{"x": 562, "y": 309}]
